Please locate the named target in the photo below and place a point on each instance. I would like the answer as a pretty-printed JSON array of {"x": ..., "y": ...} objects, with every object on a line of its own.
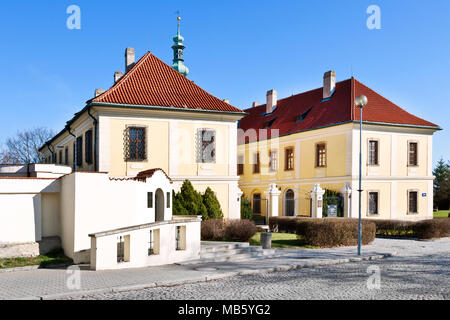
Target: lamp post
[{"x": 361, "y": 102}]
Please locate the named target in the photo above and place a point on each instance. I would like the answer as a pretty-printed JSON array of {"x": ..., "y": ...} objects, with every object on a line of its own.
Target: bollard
[{"x": 266, "y": 240}]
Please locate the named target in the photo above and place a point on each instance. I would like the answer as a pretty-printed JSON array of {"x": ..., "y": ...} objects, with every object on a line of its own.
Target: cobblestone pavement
[
  {"x": 420, "y": 271},
  {"x": 417, "y": 277},
  {"x": 420, "y": 268}
]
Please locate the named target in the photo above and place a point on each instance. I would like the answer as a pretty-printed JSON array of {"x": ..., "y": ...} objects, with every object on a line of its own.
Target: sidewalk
[{"x": 52, "y": 283}]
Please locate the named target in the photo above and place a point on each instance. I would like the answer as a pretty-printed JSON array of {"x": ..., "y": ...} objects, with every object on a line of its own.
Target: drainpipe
[
  {"x": 51, "y": 151},
  {"x": 95, "y": 137},
  {"x": 75, "y": 149}
]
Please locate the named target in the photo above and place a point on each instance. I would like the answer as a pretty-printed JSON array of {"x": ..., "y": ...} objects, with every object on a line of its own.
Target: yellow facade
[{"x": 391, "y": 177}]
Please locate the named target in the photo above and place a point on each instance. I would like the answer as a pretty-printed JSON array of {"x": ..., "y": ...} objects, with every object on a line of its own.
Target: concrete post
[
  {"x": 347, "y": 193},
  {"x": 272, "y": 195},
  {"x": 317, "y": 201}
]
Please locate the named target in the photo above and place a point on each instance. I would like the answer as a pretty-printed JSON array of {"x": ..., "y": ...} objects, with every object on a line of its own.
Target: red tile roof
[
  {"x": 151, "y": 82},
  {"x": 339, "y": 109}
]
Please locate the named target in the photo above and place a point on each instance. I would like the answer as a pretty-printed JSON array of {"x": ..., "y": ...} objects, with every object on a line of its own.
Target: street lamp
[{"x": 361, "y": 102}]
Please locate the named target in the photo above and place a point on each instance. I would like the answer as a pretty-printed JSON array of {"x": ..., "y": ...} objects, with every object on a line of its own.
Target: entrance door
[
  {"x": 289, "y": 203},
  {"x": 159, "y": 205}
]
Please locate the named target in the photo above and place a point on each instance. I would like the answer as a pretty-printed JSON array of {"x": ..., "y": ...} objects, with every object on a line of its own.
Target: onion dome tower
[{"x": 178, "y": 47}]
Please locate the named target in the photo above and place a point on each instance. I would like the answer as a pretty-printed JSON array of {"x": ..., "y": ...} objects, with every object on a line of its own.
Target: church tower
[{"x": 178, "y": 47}]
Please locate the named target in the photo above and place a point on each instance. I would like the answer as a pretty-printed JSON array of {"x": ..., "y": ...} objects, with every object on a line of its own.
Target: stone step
[
  {"x": 255, "y": 252},
  {"x": 228, "y": 252},
  {"x": 209, "y": 246}
]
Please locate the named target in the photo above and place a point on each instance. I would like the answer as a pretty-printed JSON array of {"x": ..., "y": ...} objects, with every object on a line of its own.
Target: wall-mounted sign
[
  {"x": 332, "y": 210},
  {"x": 424, "y": 194}
]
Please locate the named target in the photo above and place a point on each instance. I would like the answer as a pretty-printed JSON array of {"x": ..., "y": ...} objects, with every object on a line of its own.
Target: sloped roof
[
  {"x": 307, "y": 111},
  {"x": 151, "y": 82}
]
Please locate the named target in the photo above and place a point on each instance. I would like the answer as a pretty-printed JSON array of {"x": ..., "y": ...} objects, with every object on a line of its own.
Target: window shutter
[{"x": 88, "y": 146}]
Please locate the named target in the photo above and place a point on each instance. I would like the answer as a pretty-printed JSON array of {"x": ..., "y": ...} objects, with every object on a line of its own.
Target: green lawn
[
  {"x": 441, "y": 214},
  {"x": 282, "y": 241},
  {"x": 52, "y": 258}
]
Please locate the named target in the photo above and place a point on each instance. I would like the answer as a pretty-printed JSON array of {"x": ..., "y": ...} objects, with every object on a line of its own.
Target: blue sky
[{"x": 235, "y": 49}]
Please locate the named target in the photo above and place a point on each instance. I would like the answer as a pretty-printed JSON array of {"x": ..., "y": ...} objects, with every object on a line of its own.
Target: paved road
[{"x": 417, "y": 276}]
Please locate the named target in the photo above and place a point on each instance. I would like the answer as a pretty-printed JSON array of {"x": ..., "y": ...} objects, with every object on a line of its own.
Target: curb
[
  {"x": 208, "y": 278},
  {"x": 35, "y": 267}
]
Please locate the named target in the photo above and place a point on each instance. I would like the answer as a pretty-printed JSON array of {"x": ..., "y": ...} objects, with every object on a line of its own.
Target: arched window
[{"x": 289, "y": 203}]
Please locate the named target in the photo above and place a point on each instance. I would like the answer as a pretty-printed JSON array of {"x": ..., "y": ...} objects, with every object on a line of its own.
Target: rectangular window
[
  {"x": 412, "y": 154},
  {"x": 412, "y": 202},
  {"x": 321, "y": 155},
  {"x": 289, "y": 159},
  {"x": 88, "y": 146},
  {"x": 151, "y": 244},
  {"x": 373, "y": 202},
  {"x": 60, "y": 155},
  {"x": 240, "y": 165},
  {"x": 180, "y": 238},
  {"x": 120, "y": 249},
  {"x": 273, "y": 161},
  {"x": 80, "y": 151},
  {"x": 66, "y": 156},
  {"x": 257, "y": 203},
  {"x": 74, "y": 151},
  {"x": 54, "y": 158},
  {"x": 256, "y": 163},
  {"x": 149, "y": 200},
  {"x": 373, "y": 152},
  {"x": 168, "y": 199},
  {"x": 207, "y": 146},
  {"x": 135, "y": 144}
]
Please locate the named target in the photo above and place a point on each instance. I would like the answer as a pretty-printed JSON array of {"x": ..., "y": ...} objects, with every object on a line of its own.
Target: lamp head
[{"x": 361, "y": 101}]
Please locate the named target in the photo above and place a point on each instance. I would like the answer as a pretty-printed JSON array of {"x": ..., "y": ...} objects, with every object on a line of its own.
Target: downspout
[
  {"x": 52, "y": 151},
  {"x": 95, "y": 137},
  {"x": 75, "y": 149}
]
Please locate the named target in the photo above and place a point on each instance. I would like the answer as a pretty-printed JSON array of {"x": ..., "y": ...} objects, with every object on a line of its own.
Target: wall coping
[{"x": 177, "y": 220}]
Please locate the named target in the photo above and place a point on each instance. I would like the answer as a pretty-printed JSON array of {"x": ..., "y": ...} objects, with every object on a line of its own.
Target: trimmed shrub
[
  {"x": 246, "y": 209},
  {"x": 231, "y": 230},
  {"x": 212, "y": 205},
  {"x": 283, "y": 224},
  {"x": 394, "y": 228},
  {"x": 333, "y": 232},
  {"x": 239, "y": 230},
  {"x": 429, "y": 229},
  {"x": 213, "y": 229}
]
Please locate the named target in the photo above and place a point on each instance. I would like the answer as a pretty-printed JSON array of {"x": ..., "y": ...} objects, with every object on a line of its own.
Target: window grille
[
  {"x": 373, "y": 202},
  {"x": 206, "y": 146},
  {"x": 135, "y": 144}
]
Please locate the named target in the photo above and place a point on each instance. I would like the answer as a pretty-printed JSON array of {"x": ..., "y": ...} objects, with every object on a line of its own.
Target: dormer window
[
  {"x": 302, "y": 117},
  {"x": 268, "y": 124}
]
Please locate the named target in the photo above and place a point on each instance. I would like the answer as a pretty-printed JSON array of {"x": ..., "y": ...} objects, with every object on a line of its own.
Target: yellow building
[
  {"x": 313, "y": 138},
  {"x": 154, "y": 117}
]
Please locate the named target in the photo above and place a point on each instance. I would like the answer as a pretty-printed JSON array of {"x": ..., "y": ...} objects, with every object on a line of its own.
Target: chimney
[
  {"x": 117, "y": 76},
  {"x": 226, "y": 101},
  {"x": 271, "y": 101},
  {"x": 329, "y": 84},
  {"x": 129, "y": 59},
  {"x": 255, "y": 104},
  {"x": 99, "y": 92}
]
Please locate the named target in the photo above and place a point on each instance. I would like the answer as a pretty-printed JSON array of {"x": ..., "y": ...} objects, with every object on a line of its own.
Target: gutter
[
  {"x": 75, "y": 149},
  {"x": 95, "y": 137}
]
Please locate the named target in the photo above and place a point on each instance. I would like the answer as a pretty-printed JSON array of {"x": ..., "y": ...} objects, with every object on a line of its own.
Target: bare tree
[{"x": 24, "y": 147}]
